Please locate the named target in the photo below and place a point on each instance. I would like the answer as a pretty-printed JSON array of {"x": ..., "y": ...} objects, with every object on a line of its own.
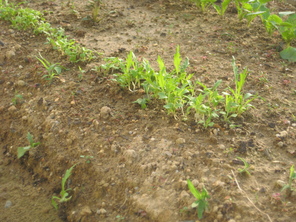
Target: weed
[
  {"x": 22, "y": 150},
  {"x": 87, "y": 158},
  {"x": 53, "y": 70},
  {"x": 96, "y": 6},
  {"x": 201, "y": 199},
  {"x": 292, "y": 176},
  {"x": 120, "y": 218},
  {"x": 222, "y": 9},
  {"x": 16, "y": 99},
  {"x": 64, "y": 192},
  {"x": 246, "y": 166},
  {"x": 203, "y": 4},
  {"x": 237, "y": 103}
]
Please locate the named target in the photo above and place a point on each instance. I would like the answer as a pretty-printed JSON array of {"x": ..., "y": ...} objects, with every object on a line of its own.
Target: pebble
[
  {"x": 9, "y": 54},
  {"x": 280, "y": 183},
  {"x": 12, "y": 108},
  {"x": 131, "y": 154},
  {"x": 101, "y": 211},
  {"x": 282, "y": 134},
  {"x": 180, "y": 141},
  {"x": 184, "y": 194},
  {"x": 20, "y": 83},
  {"x": 280, "y": 144},
  {"x": 105, "y": 112},
  {"x": 85, "y": 211},
  {"x": 8, "y": 204}
]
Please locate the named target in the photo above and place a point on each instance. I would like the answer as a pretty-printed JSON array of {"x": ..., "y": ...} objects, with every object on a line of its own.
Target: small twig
[{"x": 249, "y": 198}]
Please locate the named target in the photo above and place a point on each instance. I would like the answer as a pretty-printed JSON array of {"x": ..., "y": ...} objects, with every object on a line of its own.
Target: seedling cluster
[
  {"x": 284, "y": 22},
  {"x": 178, "y": 92},
  {"x": 25, "y": 18}
]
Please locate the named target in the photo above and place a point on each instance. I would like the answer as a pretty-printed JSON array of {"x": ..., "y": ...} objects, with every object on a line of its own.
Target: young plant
[
  {"x": 96, "y": 9},
  {"x": 255, "y": 8},
  {"x": 64, "y": 192},
  {"x": 16, "y": 99},
  {"x": 244, "y": 170},
  {"x": 292, "y": 176},
  {"x": 203, "y": 4},
  {"x": 222, "y": 9},
  {"x": 87, "y": 158},
  {"x": 22, "y": 150},
  {"x": 53, "y": 70},
  {"x": 201, "y": 202},
  {"x": 206, "y": 104},
  {"x": 237, "y": 103}
]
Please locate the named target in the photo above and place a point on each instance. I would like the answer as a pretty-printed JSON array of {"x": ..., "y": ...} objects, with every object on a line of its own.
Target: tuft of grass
[{"x": 292, "y": 176}]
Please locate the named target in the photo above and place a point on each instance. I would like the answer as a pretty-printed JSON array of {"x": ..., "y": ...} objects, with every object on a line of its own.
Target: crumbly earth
[{"x": 136, "y": 162}]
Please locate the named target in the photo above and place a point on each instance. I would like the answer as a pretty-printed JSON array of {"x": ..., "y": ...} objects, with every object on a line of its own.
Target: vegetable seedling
[
  {"x": 292, "y": 176},
  {"x": 64, "y": 192},
  {"x": 53, "y": 70},
  {"x": 22, "y": 150},
  {"x": 246, "y": 166},
  {"x": 201, "y": 202}
]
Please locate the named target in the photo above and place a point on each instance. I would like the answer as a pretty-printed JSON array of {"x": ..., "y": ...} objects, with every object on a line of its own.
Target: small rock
[
  {"x": 280, "y": 144},
  {"x": 221, "y": 147},
  {"x": 10, "y": 54},
  {"x": 105, "y": 112},
  {"x": 195, "y": 182},
  {"x": 231, "y": 220},
  {"x": 12, "y": 108},
  {"x": 180, "y": 141},
  {"x": 280, "y": 183},
  {"x": 85, "y": 211},
  {"x": 8, "y": 204},
  {"x": 184, "y": 194},
  {"x": 20, "y": 83},
  {"x": 282, "y": 134},
  {"x": 131, "y": 154},
  {"x": 101, "y": 211}
]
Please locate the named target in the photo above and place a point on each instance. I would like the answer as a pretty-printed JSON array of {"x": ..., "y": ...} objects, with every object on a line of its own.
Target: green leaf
[
  {"x": 193, "y": 190},
  {"x": 289, "y": 54},
  {"x": 22, "y": 150}
]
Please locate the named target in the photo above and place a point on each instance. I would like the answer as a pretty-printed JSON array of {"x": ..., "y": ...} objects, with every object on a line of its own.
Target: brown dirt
[{"x": 142, "y": 158}]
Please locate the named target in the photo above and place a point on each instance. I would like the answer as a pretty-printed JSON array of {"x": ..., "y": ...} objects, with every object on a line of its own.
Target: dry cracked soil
[{"x": 133, "y": 163}]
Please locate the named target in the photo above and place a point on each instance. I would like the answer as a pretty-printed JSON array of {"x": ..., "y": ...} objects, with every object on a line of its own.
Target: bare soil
[{"x": 142, "y": 158}]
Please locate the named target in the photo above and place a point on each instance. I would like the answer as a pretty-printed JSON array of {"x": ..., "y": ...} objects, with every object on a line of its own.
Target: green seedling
[
  {"x": 120, "y": 218},
  {"x": 255, "y": 8},
  {"x": 96, "y": 9},
  {"x": 201, "y": 202},
  {"x": 64, "y": 192},
  {"x": 22, "y": 150},
  {"x": 53, "y": 70},
  {"x": 244, "y": 170},
  {"x": 87, "y": 158},
  {"x": 203, "y": 4},
  {"x": 292, "y": 176},
  {"x": 206, "y": 104},
  {"x": 222, "y": 9},
  {"x": 16, "y": 99},
  {"x": 237, "y": 103}
]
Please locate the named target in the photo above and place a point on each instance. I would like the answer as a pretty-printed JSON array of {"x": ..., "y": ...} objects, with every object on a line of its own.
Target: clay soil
[{"x": 136, "y": 161}]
